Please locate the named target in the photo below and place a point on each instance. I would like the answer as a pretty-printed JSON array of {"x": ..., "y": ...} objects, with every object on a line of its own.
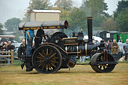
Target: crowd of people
[
  {"x": 5, "y": 46},
  {"x": 117, "y": 48}
]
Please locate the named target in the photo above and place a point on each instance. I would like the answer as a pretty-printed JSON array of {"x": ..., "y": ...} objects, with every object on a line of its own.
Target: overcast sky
[{"x": 17, "y": 8}]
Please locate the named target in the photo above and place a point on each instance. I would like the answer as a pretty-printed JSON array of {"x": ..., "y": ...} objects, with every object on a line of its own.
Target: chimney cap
[{"x": 89, "y": 17}]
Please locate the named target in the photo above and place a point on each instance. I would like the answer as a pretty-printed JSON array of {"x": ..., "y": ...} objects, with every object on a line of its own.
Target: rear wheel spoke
[
  {"x": 40, "y": 63},
  {"x": 52, "y": 55},
  {"x": 104, "y": 67},
  {"x": 41, "y": 55},
  {"x": 53, "y": 65},
  {"x": 47, "y": 52}
]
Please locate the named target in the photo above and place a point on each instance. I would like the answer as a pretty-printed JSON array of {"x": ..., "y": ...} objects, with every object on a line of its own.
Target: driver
[{"x": 38, "y": 37}]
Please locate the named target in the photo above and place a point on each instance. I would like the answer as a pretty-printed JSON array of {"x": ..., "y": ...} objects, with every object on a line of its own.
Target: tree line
[{"x": 76, "y": 16}]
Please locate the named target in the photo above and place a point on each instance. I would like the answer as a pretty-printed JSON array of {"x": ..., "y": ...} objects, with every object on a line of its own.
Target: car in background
[{"x": 95, "y": 38}]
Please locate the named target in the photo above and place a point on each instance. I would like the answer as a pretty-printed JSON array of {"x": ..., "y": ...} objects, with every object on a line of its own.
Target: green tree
[
  {"x": 95, "y": 9},
  {"x": 85, "y": 8},
  {"x": 12, "y": 24},
  {"x": 122, "y": 20},
  {"x": 121, "y": 6},
  {"x": 109, "y": 25},
  {"x": 37, "y": 5},
  {"x": 97, "y": 21},
  {"x": 64, "y": 13},
  {"x": 64, "y": 4},
  {"x": 77, "y": 19},
  {"x": 40, "y": 4},
  {"x": 1, "y": 26}
]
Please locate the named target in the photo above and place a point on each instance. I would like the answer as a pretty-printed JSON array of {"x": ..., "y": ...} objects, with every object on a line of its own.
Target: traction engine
[{"x": 58, "y": 51}]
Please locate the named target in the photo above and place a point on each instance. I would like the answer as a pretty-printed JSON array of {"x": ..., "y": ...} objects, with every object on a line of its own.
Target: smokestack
[{"x": 89, "y": 24}]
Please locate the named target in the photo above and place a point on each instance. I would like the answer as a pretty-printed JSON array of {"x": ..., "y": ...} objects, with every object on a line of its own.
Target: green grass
[
  {"x": 18, "y": 62},
  {"x": 79, "y": 75},
  {"x": 123, "y": 62}
]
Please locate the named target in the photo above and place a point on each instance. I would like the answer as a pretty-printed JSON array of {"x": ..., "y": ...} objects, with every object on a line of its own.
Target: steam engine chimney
[{"x": 89, "y": 24}]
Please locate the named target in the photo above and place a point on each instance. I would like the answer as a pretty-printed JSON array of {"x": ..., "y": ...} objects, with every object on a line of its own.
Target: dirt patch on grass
[{"x": 80, "y": 75}]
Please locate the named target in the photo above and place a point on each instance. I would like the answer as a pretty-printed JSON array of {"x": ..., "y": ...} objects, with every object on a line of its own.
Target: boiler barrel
[{"x": 80, "y": 50}]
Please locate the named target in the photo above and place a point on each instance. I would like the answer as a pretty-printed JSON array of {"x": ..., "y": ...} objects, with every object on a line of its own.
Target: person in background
[
  {"x": 126, "y": 50},
  {"x": 119, "y": 42},
  {"x": 105, "y": 44},
  {"x": 114, "y": 49},
  {"x": 10, "y": 46},
  {"x": 4, "y": 47},
  {"x": 21, "y": 49},
  {"x": 29, "y": 37},
  {"x": 109, "y": 46},
  {"x": 23, "y": 41},
  {"x": 120, "y": 52}
]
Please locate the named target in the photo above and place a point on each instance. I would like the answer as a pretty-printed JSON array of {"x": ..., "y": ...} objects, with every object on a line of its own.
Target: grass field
[{"x": 80, "y": 75}]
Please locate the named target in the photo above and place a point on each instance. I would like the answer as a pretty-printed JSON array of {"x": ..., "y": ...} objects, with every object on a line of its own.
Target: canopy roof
[{"x": 43, "y": 25}]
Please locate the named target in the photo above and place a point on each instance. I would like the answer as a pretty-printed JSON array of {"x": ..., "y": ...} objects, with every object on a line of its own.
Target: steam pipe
[{"x": 89, "y": 24}]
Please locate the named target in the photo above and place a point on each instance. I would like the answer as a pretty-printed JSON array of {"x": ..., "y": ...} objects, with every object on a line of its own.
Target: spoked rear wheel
[
  {"x": 102, "y": 65},
  {"x": 47, "y": 59}
]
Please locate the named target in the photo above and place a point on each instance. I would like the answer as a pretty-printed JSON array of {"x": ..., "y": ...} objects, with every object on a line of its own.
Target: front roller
[
  {"x": 47, "y": 59},
  {"x": 102, "y": 62}
]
